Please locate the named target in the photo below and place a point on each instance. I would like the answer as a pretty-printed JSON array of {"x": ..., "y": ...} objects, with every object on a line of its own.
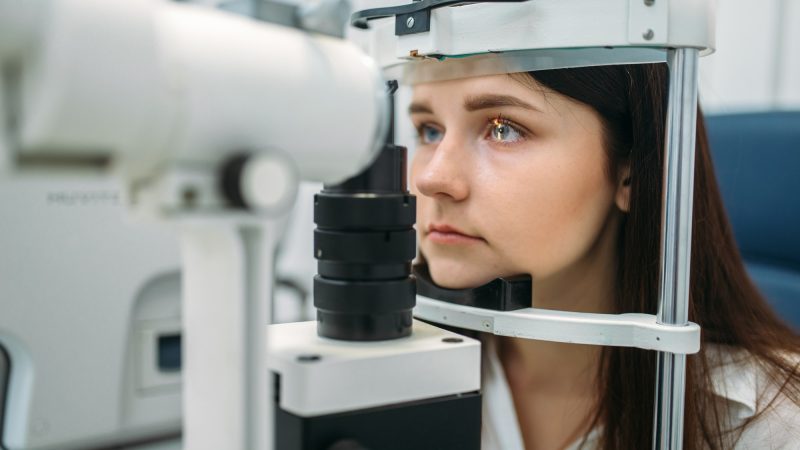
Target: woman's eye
[
  {"x": 429, "y": 134},
  {"x": 503, "y": 132}
]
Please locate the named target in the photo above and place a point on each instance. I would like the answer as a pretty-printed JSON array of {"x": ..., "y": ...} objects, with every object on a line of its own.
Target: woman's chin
[{"x": 456, "y": 276}]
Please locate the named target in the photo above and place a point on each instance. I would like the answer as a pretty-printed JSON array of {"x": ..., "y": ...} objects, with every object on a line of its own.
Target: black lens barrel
[{"x": 364, "y": 244}]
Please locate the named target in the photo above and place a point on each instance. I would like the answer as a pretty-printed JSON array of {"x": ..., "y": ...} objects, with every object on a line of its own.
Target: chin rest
[{"x": 500, "y": 294}]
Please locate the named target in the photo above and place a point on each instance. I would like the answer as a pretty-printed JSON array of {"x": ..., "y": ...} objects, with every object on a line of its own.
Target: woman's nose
[{"x": 442, "y": 175}]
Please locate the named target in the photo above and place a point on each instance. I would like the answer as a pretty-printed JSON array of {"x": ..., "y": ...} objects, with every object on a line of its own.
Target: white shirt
[{"x": 737, "y": 381}]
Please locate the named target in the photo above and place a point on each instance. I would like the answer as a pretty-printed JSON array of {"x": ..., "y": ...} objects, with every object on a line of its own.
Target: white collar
[{"x": 735, "y": 378}]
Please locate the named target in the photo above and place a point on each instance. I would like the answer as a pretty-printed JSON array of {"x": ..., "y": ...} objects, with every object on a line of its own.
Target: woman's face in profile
[{"x": 510, "y": 179}]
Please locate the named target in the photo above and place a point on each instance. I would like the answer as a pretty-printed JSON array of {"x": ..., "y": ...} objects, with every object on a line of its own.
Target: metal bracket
[
  {"x": 619, "y": 330},
  {"x": 412, "y": 23},
  {"x": 410, "y": 18}
]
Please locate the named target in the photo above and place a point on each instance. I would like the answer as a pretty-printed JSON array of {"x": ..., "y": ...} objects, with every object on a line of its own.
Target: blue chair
[{"x": 757, "y": 160}]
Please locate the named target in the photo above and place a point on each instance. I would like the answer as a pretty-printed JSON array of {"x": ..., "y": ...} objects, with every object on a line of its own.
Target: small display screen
[{"x": 169, "y": 353}]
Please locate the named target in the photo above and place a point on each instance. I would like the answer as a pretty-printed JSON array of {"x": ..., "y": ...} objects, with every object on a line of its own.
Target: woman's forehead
[
  {"x": 513, "y": 90},
  {"x": 465, "y": 86}
]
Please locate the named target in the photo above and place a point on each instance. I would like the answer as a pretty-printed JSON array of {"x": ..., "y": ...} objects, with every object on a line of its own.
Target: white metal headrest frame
[{"x": 493, "y": 38}]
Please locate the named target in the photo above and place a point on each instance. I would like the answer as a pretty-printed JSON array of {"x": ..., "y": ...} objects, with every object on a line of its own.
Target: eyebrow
[
  {"x": 477, "y": 103},
  {"x": 419, "y": 108},
  {"x": 496, "y": 101}
]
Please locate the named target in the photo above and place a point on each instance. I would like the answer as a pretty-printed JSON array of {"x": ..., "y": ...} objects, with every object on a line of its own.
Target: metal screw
[
  {"x": 410, "y": 22},
  {"x": 452, "y": 340},
  {"x": 649, "y": 2},
  {"x": 648, "y": 35},
  {"x": 308, "y": 358},
  {"x": 486, "y": 324}
]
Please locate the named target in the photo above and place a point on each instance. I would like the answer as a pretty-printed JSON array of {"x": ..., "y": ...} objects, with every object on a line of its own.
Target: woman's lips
[{"x": 445, "y": 234}]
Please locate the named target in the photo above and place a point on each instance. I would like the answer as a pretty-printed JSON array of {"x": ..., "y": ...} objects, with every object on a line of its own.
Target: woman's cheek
[{"x": 535, "y": 207}]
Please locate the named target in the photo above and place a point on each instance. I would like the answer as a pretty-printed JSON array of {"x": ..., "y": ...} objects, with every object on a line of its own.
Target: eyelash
[
  {"x": 500, "y": 120},
  {"x": 421, "y": 129},
  {"x": 497, "y": 120}
]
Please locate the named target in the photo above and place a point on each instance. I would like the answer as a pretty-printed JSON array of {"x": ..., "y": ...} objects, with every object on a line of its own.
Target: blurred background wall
[{"x": 757, "y": 63}]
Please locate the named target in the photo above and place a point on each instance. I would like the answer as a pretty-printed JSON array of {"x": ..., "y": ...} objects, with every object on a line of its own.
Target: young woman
[{"x": 558, "y": 174}]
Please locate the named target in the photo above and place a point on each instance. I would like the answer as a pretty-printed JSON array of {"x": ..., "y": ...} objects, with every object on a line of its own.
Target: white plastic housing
[
  {"x": 163, "y": 84},
  {"x": 355, "y": 375}
]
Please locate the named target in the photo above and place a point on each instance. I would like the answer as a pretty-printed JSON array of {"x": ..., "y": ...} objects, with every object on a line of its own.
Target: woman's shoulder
[
  {"x": 763, "y": 410},
  {"x": 776, "y": 427}
]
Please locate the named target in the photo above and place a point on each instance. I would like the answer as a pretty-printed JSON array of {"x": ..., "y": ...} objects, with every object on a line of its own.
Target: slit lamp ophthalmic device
[{"x": 212, "y": 119}]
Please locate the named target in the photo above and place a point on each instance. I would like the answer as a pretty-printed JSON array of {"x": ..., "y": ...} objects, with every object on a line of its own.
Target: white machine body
[
  {"x": 165, "y": 94},
  {"x": 161, "y": 85},
  {"x": 85, "y": 295}
]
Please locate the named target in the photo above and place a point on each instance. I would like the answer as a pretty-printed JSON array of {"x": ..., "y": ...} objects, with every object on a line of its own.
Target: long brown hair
[{"x": 631, "y": 101}]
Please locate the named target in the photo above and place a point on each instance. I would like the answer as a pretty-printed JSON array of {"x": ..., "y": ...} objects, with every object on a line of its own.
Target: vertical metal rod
[
  {"x": 676, "y": 242},
  {"x": 227, "y": 289}
]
